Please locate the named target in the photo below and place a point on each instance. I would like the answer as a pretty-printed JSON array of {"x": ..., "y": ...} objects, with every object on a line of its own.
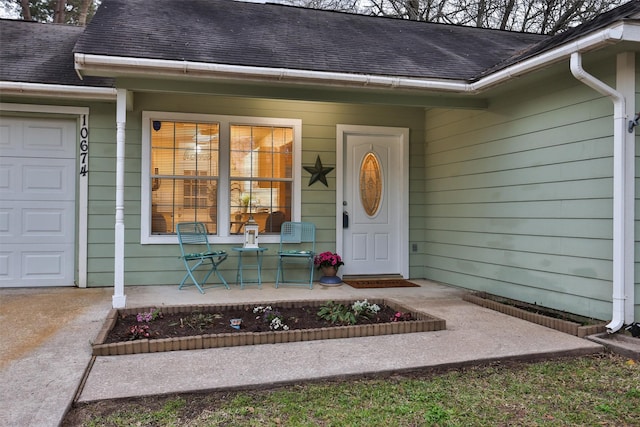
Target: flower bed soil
[
  {"x": 197, "y": 327},
  {"x": 555, "y": 319}
]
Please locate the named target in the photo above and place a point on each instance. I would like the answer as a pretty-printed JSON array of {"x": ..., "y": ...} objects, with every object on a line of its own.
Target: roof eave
[
  {"x": 112, "y": 66},
  {"x": 40, "y": 90}
]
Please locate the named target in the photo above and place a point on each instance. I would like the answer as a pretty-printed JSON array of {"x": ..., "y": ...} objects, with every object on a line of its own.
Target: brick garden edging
[
  {"x": 496, "y": 303},
  {"x": 423, "y": 323}
]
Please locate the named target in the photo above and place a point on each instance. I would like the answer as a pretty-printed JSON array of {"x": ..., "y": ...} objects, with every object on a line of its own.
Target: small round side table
[{"x": 241, "y": 266}]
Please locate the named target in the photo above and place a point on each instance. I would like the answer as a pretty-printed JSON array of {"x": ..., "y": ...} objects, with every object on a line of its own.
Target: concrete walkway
[{"x": 46, "y": 336}]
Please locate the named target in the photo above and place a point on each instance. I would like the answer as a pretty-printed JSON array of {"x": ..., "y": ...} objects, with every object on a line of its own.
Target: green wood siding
[
  {"x": 159, "y": 264},
  {"x": 518, "y": 198}
]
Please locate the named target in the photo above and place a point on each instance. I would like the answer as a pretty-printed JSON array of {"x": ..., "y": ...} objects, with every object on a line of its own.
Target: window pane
[
  {"x": 179, "y": 200},
  {"x": 261, "y": 169},
  {"x": 163, "y": 134},
  {"x": 184, "y": 150},
  {"x": 162, "y": 213},
  {"x": 248, "y": 198}
]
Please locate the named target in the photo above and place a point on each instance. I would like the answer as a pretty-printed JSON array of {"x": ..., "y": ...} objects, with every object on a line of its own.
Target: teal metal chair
[
  {"x": 197, "y": 253},
  {"x": 297, "y": 246}
]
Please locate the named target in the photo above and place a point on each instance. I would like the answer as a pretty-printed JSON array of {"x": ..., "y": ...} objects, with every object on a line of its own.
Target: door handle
[{"x": 345, "y": 219}]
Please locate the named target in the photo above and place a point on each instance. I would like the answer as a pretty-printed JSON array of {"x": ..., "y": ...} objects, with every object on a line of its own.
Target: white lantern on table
[{"x": 251, "y": 233}]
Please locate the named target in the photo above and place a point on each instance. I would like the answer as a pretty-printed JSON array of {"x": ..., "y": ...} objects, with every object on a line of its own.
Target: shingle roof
[
  {"x": 272, "y": 35},
  {"x": 32, "y": 52}
]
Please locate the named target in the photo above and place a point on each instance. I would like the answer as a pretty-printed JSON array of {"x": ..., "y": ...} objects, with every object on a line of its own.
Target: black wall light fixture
[{"x": 633, "y": 123}]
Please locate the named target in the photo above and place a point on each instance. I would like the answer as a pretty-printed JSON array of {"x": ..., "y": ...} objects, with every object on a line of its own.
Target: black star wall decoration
[{"x": 318, "y": 172}]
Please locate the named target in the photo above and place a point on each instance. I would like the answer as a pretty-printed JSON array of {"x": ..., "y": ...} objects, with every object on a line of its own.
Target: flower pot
[{"x": 330, "y": 276}]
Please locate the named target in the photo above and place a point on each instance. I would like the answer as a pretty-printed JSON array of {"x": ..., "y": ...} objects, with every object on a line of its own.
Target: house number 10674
[{"x": 84, "y": 147}]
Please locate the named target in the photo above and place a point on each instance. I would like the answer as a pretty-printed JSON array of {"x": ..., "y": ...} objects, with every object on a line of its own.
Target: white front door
[
  {"x": 37, "y": 202},
  {"x": 373, "y": 201}
]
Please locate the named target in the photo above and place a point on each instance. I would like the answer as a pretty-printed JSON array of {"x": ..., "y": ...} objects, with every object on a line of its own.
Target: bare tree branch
[
  {"x": 26, "y": 11},
  {"x": 506, "y": 15},
  {"x": 59, "y": 12},
  {"x": 83, "y": 12},
  {"x": 538, "y": 16}
]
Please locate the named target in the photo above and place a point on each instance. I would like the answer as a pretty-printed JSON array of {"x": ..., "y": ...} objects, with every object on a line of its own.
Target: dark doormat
[{"x": 379, "y": 283}]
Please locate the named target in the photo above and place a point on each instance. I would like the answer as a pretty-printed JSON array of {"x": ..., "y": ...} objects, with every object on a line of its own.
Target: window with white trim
[{"x": 219, "y": 170}]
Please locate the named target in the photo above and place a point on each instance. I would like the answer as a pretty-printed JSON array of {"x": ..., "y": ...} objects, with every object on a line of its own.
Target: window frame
[{"x": 225, "y": 122}]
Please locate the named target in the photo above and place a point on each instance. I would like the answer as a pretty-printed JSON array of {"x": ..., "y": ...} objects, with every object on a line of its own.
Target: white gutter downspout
[
  {"x": 119, "y": 298},
  {"x": 623, "y": 197}
]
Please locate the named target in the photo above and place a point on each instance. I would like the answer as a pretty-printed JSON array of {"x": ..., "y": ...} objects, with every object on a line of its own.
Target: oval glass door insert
[{"x": 371, "y": 184}]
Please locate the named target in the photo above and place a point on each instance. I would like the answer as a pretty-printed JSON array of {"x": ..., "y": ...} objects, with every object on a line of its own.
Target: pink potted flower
[{"x": 329, "y": 263}]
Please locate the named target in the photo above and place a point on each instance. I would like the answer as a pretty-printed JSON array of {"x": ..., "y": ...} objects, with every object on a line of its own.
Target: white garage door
[{"x": 37, "y": 199}]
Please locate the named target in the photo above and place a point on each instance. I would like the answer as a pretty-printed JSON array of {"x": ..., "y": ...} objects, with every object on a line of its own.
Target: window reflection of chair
[
  {"x": 158, "y": 222},
  {"x": 274, "y": 222}
]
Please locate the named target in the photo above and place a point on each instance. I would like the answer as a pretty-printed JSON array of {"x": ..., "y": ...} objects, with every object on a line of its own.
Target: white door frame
[
  {"x": 82, "y": 181},
  {"x": 342, "y": 131}
]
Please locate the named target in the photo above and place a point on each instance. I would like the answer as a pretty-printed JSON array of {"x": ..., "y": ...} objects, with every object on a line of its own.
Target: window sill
[{"x": 236, "y": 240}]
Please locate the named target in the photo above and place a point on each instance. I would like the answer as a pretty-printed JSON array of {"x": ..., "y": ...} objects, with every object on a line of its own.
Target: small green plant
[
  {"x": 605, "y": 407},
  {"x": 246, "y": 200},
  {"x": 336, "y": 313},
  {"x": 197, "y": 321},
  {"x": 142, "y": 330},
  {"x": 340, "y": 313},
  {"x": 149, "y": 316},
  {"x": 138, "y": 332},
  {"x": 365, "y": 309},
  {"x": 271, "y": 317},
  {"x": 634, "y": 392},
  {"x": 436, "y": 414}
]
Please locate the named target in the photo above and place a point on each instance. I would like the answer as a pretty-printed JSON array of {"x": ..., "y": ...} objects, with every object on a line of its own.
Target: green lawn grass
[{"x": 601, "y": 390}]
